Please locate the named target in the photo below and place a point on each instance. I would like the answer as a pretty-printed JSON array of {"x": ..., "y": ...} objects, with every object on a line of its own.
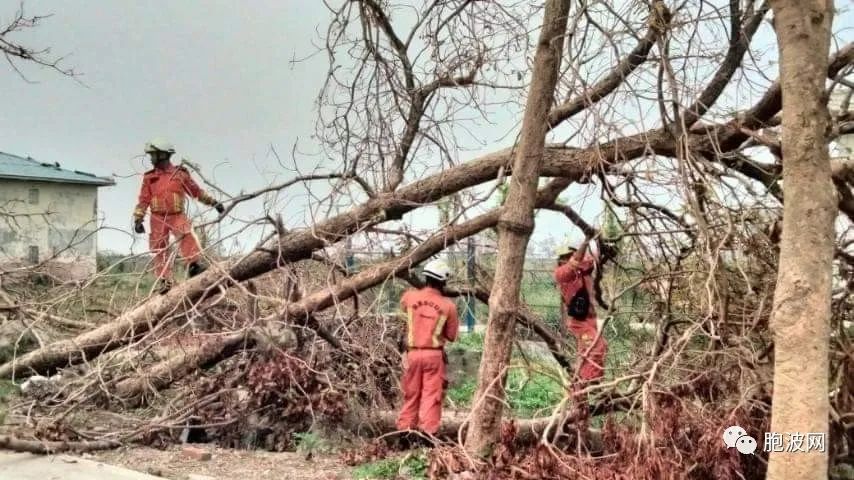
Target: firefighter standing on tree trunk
[
  {"x": 164, "y": 190},
  {"x": 574, "y": 278},
  {"x": 431, "y": 321}
]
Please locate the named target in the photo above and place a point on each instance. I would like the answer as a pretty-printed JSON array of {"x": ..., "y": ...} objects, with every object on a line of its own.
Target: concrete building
[{"x": 48, "y": 217}]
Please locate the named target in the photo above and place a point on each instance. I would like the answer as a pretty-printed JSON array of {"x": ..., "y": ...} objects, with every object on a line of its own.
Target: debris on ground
[{"x": 227, "y": 464}]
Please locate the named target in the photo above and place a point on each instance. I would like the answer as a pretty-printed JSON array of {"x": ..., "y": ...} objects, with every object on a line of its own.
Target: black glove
[
  {"x": 137, "y": 226},
  {"x": 219, "y": 207},
  {"x": 607, "y": 251}
]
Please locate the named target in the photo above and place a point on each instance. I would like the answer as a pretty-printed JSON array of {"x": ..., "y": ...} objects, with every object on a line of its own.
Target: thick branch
[
  {"x": 772, "y": 101},
  {"x": 657, "y": 24},
  {"x": 739, "y": 43},
  {"x": 45, "y": 447},
  {"x": 188, "y": 359}
]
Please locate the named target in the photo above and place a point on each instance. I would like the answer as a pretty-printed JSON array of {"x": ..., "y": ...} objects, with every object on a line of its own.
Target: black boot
[
  {"x": 405, "y": 440},
  {"x": 195, "y": 268},
  {"x": 163, "y": 286}
]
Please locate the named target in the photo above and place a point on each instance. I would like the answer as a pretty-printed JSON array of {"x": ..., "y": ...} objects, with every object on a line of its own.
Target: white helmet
[
  {"x": 159, "y": 145},
  {"x": 438, "y": 270},
  {"x": 564, "y": 250}
]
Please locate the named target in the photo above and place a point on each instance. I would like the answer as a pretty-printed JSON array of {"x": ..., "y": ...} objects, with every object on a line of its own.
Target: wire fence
[{"x": 469, "y": 269}]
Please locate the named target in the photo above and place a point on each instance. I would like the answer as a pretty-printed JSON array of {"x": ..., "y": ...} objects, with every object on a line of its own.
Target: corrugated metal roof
[{"x": 20, "y": 168}]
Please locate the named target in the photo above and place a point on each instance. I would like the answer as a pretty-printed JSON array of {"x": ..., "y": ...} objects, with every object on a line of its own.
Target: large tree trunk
[
  {"x": 186, "y": 360},
  {"x": 801, "y": 319},
  {"x": 514, "y": 230}
]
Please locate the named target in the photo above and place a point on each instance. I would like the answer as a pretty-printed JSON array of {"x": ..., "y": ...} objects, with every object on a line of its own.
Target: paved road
[{"x": 25, "y": 466}]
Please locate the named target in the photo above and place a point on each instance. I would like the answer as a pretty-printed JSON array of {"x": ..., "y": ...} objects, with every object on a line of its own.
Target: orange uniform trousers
[
  {"x": 590, "y": 353},
  {"x": 423, "y": 391},
  {"x": 180, "y": 227}
]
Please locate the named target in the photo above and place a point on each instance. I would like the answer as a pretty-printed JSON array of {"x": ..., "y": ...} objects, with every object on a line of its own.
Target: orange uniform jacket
[
  {"x": 572, "y": 276},
  {"x": 164, "y": 191},
  {"x": 431, "y": 318}
]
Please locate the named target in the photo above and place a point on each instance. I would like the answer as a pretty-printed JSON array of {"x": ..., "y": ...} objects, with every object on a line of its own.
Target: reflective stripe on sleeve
[
  {"x": 410, "y": 335},
  {"x": 440, "y": 324}
]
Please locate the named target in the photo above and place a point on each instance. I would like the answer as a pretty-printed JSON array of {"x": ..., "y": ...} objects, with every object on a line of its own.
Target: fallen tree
[
  {"x": 558, "y": 161},
  {"x": 302, "y": 312},
  {"x": 567, "y": 163},
  {"x": 715, "y": 141},
  {"x": 700, "y": 268},
  {"x": 177, "y": 366},
  {"x": 527, "y": 429}
]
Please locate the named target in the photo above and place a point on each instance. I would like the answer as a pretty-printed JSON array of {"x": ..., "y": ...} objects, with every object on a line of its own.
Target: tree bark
[
  {"x": 162, "y": 374},
  {"x": 527, "y": 430},
  {"x": 514, "y": 230},
  {"x": 48, "y": 447},
  {"x": 801, "y": 318}
]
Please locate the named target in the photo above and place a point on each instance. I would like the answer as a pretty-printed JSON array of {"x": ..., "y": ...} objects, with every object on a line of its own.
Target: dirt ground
[{"x": 226, "y": 464}]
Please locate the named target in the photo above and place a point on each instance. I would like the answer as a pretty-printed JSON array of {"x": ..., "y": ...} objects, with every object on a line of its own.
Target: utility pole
[{"x": 470, "y": 274}]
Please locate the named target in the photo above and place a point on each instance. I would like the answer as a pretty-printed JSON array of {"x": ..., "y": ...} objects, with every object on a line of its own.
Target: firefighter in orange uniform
[
  {"x": 164, "y": 190},
  {"x": 573, "y": 276},
  {"x": 431, "y": 322}
]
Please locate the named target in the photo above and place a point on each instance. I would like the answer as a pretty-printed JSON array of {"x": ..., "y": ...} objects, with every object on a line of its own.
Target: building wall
[{"x": 54, "y": 221}]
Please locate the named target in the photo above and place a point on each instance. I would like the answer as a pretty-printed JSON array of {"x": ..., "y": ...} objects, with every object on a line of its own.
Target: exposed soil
[{"x": 227, "y": 464}]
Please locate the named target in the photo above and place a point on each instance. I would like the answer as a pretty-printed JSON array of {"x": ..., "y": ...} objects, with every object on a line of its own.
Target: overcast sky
[{"x": 215, "y": 77}]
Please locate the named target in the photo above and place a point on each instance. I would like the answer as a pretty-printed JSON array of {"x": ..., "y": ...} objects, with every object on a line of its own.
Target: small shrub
[
  {"x": 530, "y": 392},
  {"x": 462, "y": 393},
  {"x": 468, "y": 341},
  {"x": 527, "y": 392},
  {"x": 410, "y": 466}
]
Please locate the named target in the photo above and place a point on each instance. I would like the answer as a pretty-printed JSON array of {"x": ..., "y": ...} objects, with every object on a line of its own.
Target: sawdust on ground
[{"x": 227, "y": 464}]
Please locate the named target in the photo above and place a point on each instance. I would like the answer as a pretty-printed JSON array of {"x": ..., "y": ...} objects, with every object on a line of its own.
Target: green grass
[
  {"x": 411, "y": 466},
  {"x": 472, "y": 342},
  {"x": 311, "y": 442},
  {"x": 461, "y": 393},
  {"x": 539, "y": 290},
  {"x": 113, "y": 293},
  {"x": 529, "y": 393},
  {"x": 7, "y": 389}
]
